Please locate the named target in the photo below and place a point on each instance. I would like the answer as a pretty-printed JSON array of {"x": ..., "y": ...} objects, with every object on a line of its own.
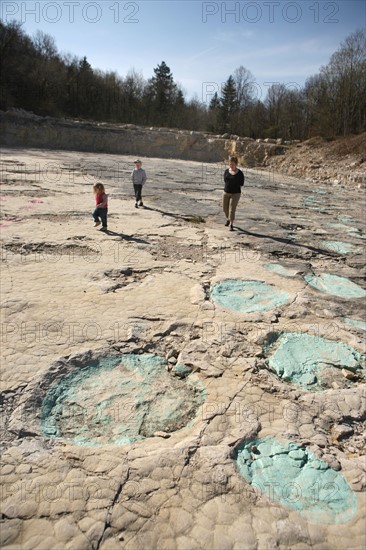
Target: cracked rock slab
[{"x": 72, "y": 294}]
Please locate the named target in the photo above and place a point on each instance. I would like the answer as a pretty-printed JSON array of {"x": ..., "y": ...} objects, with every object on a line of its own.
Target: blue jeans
[
  {"x": 138, "y": 191},
  {"x": 102, "y": 214}
]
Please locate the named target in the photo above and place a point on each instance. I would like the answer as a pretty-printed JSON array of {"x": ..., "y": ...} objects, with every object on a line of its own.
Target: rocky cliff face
[
  {"x": 340, "y": 162},
  {"x": 22, "y": 129}
]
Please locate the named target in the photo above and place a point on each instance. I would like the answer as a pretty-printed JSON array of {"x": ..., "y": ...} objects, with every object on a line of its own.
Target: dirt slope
[{"x": 340, "y": 161}]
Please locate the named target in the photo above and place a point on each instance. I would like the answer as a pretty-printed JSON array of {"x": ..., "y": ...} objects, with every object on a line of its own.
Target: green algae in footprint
[
  {"x": 119, "y": 400},
  {"x": 341, "y": 247},
  {"x": 356, "y": 323},
  {"x": 296, "y": 479},
  {"x": 340, "y": 226},
  {"x": 312, "y": 362},
  {"x": 313, "y": 203},
  {"x": 247, "y": 296},
  {"x": 335, "y": 285},
  {"x": 358, "y": 234}
]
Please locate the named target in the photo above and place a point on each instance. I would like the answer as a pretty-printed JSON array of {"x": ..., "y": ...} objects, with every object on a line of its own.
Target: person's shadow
[
  {"x": 124, "y": 237},
  {"x": 181, "y": 217},
  {"x": 287, "y": 242}
]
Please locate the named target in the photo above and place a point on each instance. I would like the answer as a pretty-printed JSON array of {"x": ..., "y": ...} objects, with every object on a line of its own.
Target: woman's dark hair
[{"x": 234, "y": 159}]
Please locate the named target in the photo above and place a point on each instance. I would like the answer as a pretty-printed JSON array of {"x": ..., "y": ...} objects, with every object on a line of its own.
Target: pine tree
[
  {"x": 161, "y": 92},
  {"x": 213, "y": 113},
  {"x": 214, "y": 103},
  {"x": 228, "y": 106}
]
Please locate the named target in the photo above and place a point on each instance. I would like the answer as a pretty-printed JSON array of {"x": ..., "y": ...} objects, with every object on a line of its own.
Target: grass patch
[{"x": 195, "y": 219}]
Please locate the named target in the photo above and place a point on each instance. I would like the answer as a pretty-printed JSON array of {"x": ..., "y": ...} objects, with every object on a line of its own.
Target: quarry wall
[{"x": 22, "y": 129}]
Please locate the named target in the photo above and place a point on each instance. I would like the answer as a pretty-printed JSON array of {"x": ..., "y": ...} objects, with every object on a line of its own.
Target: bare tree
[
  {"x": 337, "y": 97},
  {"x": 275, "y": 102},
  {"x": 244, "y": 85},
  {"x": 347, "y": 68},
  {"x": 45, "y": 45}
]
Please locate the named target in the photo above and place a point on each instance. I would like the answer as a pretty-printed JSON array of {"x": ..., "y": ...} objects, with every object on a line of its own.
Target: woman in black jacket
[{"x": 234, "y": 180}]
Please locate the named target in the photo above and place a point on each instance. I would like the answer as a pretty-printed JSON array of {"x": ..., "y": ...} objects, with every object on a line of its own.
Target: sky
[{"x": 203, "y": 42}]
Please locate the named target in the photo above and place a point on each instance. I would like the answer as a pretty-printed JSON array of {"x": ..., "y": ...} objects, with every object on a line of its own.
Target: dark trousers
[
  {"x": 138, "y": 192},
  {"x": 102, "y": 214}
]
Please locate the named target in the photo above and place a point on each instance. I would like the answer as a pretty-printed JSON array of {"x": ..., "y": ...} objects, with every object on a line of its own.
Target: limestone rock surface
[{"x": 71, "y": 294}]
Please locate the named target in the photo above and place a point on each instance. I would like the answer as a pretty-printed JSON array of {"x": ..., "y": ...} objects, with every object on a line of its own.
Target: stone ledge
[{"x": 23, "y": 129}]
